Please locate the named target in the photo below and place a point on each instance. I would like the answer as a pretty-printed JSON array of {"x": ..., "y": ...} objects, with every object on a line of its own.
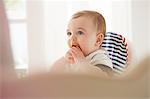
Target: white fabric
[{"x": 100, "y": 57}]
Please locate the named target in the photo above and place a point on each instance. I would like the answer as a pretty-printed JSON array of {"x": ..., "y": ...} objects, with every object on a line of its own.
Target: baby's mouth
[{"x": 77, "y": 47}]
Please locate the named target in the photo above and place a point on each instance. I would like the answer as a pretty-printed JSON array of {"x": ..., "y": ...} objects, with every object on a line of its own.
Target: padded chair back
[{"x": 117, "y": 48}]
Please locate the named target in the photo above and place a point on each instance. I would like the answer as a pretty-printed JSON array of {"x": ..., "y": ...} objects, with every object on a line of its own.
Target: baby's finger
[
  {"x": 77, "y": 52},
  {"x": 73, "y": 53},
  {"x": 77, "y": 49},
  {"x": 69, "y": 58}
]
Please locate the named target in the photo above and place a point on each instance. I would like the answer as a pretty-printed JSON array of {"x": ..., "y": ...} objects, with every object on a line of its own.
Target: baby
[{"x": 85, "y": 32}]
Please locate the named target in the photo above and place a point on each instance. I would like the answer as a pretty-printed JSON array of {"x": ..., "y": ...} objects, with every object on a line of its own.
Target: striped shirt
[{"x": 116, "y": 46}]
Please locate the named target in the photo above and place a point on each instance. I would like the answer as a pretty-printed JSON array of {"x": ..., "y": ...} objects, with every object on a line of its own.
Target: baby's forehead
[
  {"x": 82, "y": 23},
  {"x": 82, "y": 20}
]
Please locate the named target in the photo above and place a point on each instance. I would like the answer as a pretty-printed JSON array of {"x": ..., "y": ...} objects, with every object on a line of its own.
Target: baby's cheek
[
  {"x": 87, "y": 49},
  {"x": 84, "y": 50},
  {"x": 69, "y": 44}
]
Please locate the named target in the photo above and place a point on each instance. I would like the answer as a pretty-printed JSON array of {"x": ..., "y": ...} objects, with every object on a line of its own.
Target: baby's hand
[
  {"x": 69, "y": 58},
  {"x": 75, "y": 55}
]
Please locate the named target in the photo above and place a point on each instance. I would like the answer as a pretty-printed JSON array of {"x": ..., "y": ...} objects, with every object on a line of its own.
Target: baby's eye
[
  {"x": 69, "y": 33},
  {"x": 80, "y": 32}
]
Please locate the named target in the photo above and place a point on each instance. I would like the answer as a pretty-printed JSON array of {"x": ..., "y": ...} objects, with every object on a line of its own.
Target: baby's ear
[{"x": 99, "y": 39}]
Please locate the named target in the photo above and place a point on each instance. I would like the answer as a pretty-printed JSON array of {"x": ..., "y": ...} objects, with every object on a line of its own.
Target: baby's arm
[
  {"x": 86, "y": 68},
  {"x": 58, "y": 66}
]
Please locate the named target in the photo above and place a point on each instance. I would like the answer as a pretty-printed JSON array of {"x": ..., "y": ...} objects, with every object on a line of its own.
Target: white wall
[
  {"x": 36, "y": 39},
  {"x": 140, "y": 27},
  {"x": 149, "y": 25},
  {"x": 121, "y": 18},
  {"x": 55, "y": 24}
]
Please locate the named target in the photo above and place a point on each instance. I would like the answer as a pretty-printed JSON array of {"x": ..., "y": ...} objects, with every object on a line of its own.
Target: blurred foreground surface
[{"x": 135, "y": 85}]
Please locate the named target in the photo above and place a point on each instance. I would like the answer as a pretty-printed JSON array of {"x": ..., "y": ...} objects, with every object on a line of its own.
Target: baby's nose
[{"x": 73, "y": 38}]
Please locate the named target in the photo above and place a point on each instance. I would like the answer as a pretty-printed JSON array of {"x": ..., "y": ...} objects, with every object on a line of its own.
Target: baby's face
[{"x": 82, "y": 34}]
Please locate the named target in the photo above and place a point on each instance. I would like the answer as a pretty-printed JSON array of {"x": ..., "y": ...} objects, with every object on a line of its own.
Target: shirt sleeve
[
  {"x": 105, "y": 68},
  {"x": 102, "y": 59},
  {"x": 103, "y": 62}
]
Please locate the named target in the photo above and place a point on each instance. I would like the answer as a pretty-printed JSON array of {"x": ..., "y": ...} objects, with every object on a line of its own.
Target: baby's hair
[{"x": 97, "y": 18}]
